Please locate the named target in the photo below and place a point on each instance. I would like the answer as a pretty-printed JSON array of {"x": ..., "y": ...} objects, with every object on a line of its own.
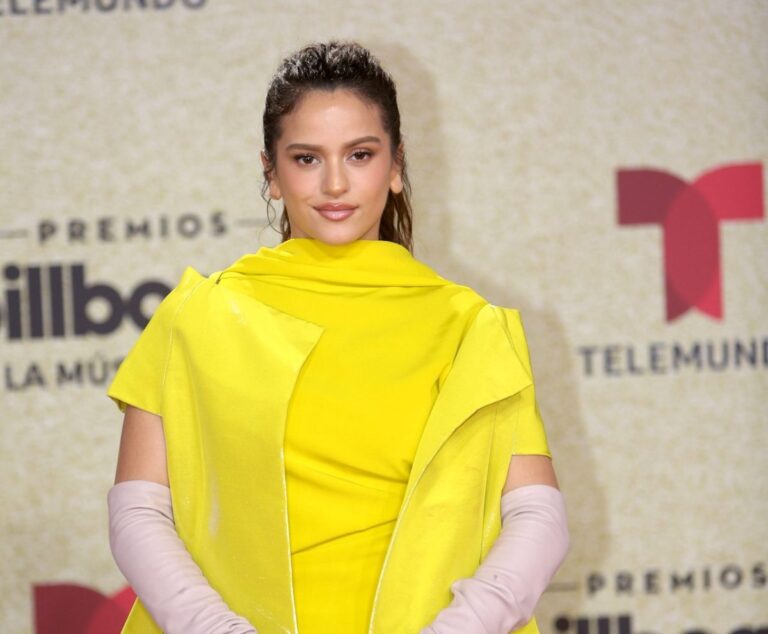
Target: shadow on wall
[{"x": 553, "y": 363}]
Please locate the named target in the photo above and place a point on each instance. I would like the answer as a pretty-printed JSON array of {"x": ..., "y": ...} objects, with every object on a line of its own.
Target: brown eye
[
  {"x": 304, "y": 159},
  {"x": 361, "y": 155}
]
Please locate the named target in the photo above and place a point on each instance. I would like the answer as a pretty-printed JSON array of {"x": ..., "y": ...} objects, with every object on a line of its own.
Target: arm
[
  {"x": 525, "y": 470},
  {"x": 145, "y": 544},
  {"x": 142, "y": 448},
  {"x": 528, "y": 551}
]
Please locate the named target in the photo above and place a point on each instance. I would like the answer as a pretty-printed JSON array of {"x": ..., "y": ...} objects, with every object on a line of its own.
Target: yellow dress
[
  {"x": 347, "y": 466},
  {"x": 338, "y": 422}
]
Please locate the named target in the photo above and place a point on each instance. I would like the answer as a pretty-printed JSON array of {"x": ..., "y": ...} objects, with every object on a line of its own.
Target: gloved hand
[
  {"x": 509, "y": 582},
  {"x": 154, "y": 560}
]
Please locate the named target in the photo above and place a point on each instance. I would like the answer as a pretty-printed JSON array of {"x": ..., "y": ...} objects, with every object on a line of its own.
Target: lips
[
  {"x": 336, "y": 211},
  {"x": 334, "y": 207}
]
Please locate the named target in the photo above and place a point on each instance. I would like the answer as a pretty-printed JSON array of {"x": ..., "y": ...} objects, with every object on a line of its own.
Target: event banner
[{"x": 600, "y": 166}]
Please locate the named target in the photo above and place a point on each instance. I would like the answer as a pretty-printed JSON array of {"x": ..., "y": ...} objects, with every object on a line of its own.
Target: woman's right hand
[{"x": 145, "y": 543}]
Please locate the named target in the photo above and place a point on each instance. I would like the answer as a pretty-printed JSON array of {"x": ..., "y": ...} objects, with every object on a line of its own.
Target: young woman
[{"x": 327, "y": 436}]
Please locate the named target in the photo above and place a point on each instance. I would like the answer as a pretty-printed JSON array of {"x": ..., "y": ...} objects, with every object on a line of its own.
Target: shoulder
[
  {"x": 484, "y": 314},
  {"x": 512, "y": 324},
  {"x": 460, "y": 297},
  {"x": 510, "y": 319},
  {"x": 177, "y": 299},
  {"x": 191, "y": 280},
  {"x": 466, "y": 297}
]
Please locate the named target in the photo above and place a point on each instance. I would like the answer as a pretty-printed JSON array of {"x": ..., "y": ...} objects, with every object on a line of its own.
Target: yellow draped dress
[{"x": 392, "y": 328}]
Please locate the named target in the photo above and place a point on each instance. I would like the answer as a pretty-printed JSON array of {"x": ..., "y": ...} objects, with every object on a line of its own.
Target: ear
[
  {"x": 269, "y": 174},
  {"x": 396, "y": 174}
]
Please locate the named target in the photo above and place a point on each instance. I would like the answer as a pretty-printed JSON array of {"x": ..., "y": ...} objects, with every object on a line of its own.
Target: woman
[{"x": 327, "y": 436}]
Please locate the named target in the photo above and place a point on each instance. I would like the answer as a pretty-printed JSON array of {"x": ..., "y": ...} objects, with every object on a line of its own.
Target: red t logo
[{"x": 690, "y": 215}]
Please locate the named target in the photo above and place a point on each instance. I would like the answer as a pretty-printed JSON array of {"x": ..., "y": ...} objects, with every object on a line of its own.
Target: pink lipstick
[{"x": 335, "y": 211}]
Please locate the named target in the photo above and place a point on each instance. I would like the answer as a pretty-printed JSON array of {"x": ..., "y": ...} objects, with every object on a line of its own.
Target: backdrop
[{"x": 599, "y": 165}]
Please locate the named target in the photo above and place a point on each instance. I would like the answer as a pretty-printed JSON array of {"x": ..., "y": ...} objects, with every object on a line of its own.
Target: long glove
[
  {"x": 530, "y": 547},
  {"x": 154, "y": 560}
]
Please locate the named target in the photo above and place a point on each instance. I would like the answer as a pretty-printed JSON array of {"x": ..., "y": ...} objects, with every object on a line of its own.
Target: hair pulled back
[{"x": 328, "y": 66}]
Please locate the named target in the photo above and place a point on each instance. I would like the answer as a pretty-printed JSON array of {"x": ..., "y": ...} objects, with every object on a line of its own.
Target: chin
[{"x": 339, "y": 234}]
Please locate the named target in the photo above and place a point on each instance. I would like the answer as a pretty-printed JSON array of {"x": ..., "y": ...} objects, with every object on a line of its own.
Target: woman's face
[{"x": 334, "y": 168}]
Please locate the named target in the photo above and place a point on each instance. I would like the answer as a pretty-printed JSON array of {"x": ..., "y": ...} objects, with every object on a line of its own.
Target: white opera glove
[
  {"x": 509, "y": 582},
  {"x": 153, "y": 558}
]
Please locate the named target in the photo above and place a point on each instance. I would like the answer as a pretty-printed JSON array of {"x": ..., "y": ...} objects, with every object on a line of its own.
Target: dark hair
[{"x": 327, "y": 66}]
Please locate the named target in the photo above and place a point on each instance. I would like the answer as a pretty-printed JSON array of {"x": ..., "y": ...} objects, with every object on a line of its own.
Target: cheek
[
  {"x": 296, "y": 183},
  {"x": 376, "y": 180}
]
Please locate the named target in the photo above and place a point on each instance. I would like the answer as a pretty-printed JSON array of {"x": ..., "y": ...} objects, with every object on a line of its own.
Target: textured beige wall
[{"x": 517, "y": 116}]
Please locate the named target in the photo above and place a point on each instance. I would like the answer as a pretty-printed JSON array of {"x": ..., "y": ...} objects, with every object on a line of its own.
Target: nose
[{"x": 335, "y": 181}]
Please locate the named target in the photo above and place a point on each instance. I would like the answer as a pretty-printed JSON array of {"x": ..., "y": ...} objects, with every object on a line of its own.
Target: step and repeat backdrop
[{"x": 599, "y": 165}]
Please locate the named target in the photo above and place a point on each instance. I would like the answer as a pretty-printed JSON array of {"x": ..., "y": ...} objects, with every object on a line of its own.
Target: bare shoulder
[{"x": 142, "y": 448}]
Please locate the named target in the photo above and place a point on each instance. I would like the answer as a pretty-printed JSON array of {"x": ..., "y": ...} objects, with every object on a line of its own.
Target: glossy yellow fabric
[
  {"x": 295, "y": 387},
  {"x": 359, "y": 406}
]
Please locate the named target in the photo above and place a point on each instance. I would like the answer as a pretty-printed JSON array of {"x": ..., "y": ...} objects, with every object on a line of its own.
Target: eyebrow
[{"x": 307, "y": 146}]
